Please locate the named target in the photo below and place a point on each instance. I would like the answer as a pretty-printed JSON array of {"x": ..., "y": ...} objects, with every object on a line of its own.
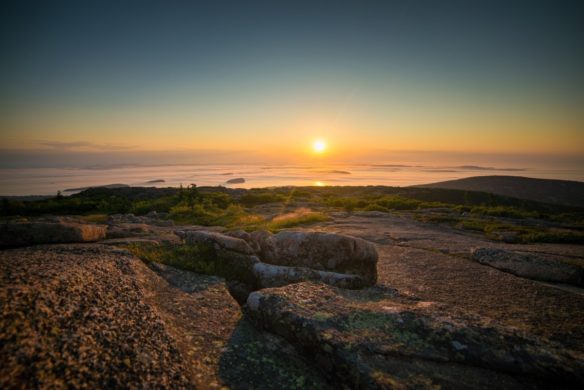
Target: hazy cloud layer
[
  {"x": 76, "y": 145},
  {"x": 96, "y": 156}
]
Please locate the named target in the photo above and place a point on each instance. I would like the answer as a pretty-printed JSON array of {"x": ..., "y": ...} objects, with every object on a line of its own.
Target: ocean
[{"x": 47, "y": 181}]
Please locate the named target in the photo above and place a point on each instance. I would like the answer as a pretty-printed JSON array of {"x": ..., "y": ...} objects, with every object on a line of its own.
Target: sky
[{"x": 229, "y": 80}]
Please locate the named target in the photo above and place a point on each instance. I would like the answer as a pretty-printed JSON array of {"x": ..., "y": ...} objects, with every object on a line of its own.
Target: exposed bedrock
[
  {"x": 76, "y": 316},
  {"x": 261, "y": 259},
  {"x": 536, "y": 266},
  {"x": 373, "y": 338}
]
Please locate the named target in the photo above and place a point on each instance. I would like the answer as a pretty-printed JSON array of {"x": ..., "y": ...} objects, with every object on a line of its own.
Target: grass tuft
[{"x": 301, "y": 216}]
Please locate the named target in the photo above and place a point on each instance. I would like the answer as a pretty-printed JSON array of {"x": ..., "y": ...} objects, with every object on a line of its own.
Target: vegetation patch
[
  {"x": 497, "y": 217},
  {"x": 207, "y": 214},
  {"x": 259, "y": 197},
  {"x": 298, "y": 217},
  {"x": 504, "y": 211},
  {"x": 384, "y": 203},
  {"x": 201, "y": 259},
  {"x": 163, "y": 204},
  {"x": 196, "y": 258},
  {"x": 497, "y": 231}
]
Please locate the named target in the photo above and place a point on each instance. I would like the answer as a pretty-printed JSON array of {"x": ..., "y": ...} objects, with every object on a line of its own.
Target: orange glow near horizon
[
  {"x": 352, "y": 134},
  {"x": 319, "y": 146}
]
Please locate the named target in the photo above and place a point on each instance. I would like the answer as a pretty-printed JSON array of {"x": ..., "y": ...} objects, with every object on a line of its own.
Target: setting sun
[{"x": 319, "y": 146}]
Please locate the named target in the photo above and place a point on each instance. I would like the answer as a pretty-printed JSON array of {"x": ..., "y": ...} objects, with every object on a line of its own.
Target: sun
[{"x": 319, "y": 146}]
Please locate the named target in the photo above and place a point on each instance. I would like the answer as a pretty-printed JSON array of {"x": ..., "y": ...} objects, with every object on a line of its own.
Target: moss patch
[{"x": 196, "y": 258}]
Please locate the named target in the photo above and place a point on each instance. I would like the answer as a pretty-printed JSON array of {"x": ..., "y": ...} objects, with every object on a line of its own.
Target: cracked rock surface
[
  {"x": 376, "y": 338},
  {"x": 76, "y": 316},
  {"x": 93, "y": 315}
]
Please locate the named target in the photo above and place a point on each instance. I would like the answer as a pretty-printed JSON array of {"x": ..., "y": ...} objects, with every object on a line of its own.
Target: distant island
[{"x": 238, "y": 180}]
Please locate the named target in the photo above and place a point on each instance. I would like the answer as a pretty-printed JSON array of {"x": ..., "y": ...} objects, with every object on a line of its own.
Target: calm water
[{"x": 47, "y": 181}]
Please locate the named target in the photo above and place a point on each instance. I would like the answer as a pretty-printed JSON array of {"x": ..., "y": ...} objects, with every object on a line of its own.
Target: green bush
[
  {"x": 206, "y": 214},
  {"x": 348, "y": 204},
  {"x": 504, "y": 211},
  {"x": 257, "y": 198},
  {"x": 163, "y": 204},
  {"x": 553, "y": 237},
  {"x": 219, "y": 200},
  {"x": 398, "y": 203},
  {"x": 375, "y": 207},
  {"x": 473, "y": 224}
]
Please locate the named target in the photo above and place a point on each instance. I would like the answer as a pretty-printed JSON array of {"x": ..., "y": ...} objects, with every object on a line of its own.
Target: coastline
[{"x": 48, "y": 181}]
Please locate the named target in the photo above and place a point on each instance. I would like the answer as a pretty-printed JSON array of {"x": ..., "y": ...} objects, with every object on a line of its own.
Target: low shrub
[
  {"x": 504, "y": 211},
  {"x": 163, "y": 204},
  {"x": 206, "y": 215},
  {"x": 257, "y": 198}
]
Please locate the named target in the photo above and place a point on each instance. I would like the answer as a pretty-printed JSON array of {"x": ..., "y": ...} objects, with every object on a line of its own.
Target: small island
[{"x": 237, "y": 180}]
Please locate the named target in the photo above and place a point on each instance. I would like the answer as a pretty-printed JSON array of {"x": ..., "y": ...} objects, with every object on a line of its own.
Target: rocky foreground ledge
[
  {"x": 77, "y": 316},
  {"x": 366, "y": 302}
]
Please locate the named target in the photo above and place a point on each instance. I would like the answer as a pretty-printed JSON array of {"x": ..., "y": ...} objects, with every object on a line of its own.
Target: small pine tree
[
  {"x": 181, "y": 193},
  {"x": 193, "y": 196}
]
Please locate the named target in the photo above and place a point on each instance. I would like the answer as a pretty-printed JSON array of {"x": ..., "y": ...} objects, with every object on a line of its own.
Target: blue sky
[{"x": 461, "y": 76}]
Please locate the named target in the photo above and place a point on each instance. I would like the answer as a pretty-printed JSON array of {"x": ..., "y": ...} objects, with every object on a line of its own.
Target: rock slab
[
  {"x": 75, "y": 316},
  {"x": 373, "y": 338},
  {"x": 220, "y": 241},
  {"x": 536, "y": 266}
]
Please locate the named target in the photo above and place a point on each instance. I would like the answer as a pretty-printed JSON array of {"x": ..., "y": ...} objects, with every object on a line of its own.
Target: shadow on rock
[{"x": 260, "y": 360}]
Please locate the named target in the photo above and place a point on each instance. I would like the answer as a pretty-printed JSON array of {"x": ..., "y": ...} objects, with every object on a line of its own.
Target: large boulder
[
  {"x": 15, "y": 234},
  {"x": 373, "y": 338},
  {"x": 320, "y": 251},
  {"x": 235, "y": 257},
  {"x": 536, "y": 266},
  {"x": 232, "y": 257},
  {"x": 247, "y": 237},
  {"x": 218, "y": 240}
]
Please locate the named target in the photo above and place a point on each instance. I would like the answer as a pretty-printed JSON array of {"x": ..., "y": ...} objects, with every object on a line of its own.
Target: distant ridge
[{"x": 564, "y": 192}]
